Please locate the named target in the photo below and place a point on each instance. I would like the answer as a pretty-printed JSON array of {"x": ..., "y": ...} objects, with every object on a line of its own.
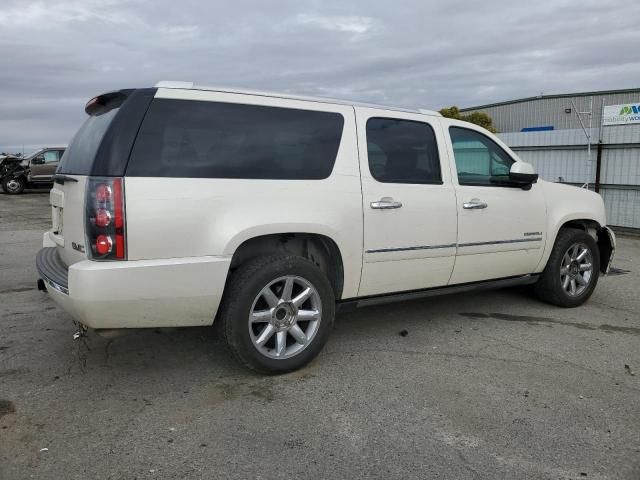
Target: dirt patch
[
  {"x": 259, "y": 388},
  {"x": 16, "y": 290},
  {"x": 13, "y": 371},
  {"x": 225, "y": 391},
  {"x": 536, "y": 320},
  {"x": 6, "y": 407}
]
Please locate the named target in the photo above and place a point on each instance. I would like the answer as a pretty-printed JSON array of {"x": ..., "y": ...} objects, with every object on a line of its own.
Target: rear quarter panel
[{"x": 193, "y": 217}]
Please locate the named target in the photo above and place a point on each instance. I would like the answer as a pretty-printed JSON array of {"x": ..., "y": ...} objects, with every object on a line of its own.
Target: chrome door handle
[
  {"x": 474, "y": 204},
  {"x": 386, "y": 203}
]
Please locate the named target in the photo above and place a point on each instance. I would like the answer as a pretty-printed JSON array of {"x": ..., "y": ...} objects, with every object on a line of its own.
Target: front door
[
  {"x": 501, "y": 228},
  {"x": 44, "y": 166},
  {"x": 408, "y": 202}
]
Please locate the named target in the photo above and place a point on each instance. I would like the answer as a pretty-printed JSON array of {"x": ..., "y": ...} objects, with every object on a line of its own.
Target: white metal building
[{"x": 553, "y": 131}]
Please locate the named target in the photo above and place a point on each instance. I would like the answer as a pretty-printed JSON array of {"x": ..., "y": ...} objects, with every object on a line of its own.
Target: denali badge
[
  {"x": 531, "y": 234},
  {"x": 77, "y": 246}
]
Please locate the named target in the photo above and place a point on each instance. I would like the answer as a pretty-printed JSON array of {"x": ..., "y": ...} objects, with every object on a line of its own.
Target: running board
[{"x": 351, "y": 304}]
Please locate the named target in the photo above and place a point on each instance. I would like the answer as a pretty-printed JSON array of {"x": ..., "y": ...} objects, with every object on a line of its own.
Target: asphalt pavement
[{"x": 483, "y": 385}]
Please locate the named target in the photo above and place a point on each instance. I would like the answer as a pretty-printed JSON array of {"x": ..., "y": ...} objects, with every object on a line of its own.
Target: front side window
[
  {"x": 51, "y": 156},
  {"x": 479, "y": 160},
  {"x": 402, "y": 151},
  {"x": 198, "y": 139}
]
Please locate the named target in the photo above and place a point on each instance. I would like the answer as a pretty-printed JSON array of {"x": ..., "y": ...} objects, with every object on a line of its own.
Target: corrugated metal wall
[
  {"x": 623, "y": 207},
  {"x": 616, "y": 134},
  {"x": 550, "y": 111},
  {"x": 570, "y": 165},
  {"x": 562, "y": 153}
]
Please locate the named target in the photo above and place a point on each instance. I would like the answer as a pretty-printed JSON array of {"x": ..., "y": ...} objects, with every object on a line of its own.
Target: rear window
[
  {"x": 195, "y": 139},
  {"x": 79, "y": 156},
  {"x": 402, "y": 151}
]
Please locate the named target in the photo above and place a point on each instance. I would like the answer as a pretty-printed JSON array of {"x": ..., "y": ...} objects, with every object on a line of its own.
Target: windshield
[{"x": 79, "y": 156}]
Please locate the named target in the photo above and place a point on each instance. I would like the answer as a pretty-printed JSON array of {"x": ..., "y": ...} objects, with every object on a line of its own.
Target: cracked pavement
[{"x": 491, "y": 384}]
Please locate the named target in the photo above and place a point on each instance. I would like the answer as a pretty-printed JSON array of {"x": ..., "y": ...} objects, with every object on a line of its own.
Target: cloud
[
  {"x": 350, "y": 24},
  {"x": 55, "y": 15},
  {"x": 54, "y": 56}
]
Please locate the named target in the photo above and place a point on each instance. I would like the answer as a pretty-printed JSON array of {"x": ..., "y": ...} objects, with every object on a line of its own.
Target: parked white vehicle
[{"x": 177, "y": 204}]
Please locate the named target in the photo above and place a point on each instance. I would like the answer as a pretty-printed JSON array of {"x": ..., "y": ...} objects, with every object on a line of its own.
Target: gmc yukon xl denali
[{"x": 177, "y": 205}]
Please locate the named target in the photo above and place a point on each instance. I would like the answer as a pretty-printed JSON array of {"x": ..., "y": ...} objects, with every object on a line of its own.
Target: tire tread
[
  {"x": 232, "y": 302},
  {"x": 546, "y": 288}
]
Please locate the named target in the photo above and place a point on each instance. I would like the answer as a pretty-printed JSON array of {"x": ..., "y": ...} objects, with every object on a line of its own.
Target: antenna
[{"x": 587, "y": 134}]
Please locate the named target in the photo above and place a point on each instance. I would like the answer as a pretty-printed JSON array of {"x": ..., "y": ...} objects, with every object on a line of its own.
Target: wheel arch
[
  {"x": 601, "y": 234},
  {"x": 320, "y": 249}
]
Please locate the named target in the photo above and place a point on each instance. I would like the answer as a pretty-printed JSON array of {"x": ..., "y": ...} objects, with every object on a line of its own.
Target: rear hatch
[
  {"x": 100, "y": 148},
  {"x": 67, "y": 218}
]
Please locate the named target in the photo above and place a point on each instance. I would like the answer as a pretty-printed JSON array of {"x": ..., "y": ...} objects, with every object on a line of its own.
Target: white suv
[{"x": 178, "y": 204}]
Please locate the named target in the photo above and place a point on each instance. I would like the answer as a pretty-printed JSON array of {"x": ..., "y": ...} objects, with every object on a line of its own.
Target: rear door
[
  {"x": 500, "y": 226},
  {"x": 408, "y": 202}
]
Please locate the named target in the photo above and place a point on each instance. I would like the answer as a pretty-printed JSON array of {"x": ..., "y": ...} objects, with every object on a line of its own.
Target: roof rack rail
[
  {"x": 191, "y": 86},
  {"x": 173, "y": 84}
]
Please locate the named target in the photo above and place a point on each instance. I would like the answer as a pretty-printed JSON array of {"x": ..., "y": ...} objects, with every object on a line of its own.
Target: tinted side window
[
  {"x": 189, "y": 139},
  {"x": 402, "y": 151},
  {"x": 479, "y": 160}
]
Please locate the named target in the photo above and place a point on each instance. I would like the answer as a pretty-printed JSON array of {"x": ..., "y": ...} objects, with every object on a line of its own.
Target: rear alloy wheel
[
  {"x": 572, "y": 270},
  {"x": 13, "y": 186},
  {"x": 285, "y": 317},
  {"x": 277, "y": 312}
]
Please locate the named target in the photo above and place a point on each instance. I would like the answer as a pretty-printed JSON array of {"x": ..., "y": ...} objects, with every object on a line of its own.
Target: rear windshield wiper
[{"x": 59, "y": 178}]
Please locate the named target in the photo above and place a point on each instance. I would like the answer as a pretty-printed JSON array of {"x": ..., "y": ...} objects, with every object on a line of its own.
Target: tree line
[{"x": 479, "y": 118}]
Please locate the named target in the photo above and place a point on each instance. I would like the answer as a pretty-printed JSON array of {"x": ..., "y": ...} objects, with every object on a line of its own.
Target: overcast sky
[{"x": 56, "y": 54}]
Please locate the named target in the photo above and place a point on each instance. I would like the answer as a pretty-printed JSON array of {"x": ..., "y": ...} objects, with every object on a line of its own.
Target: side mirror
[
  {"x": 39, "y": 160},
  {"x": 523, "y": 174}
]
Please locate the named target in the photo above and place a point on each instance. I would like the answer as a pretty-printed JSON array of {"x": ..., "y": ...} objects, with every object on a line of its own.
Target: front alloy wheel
[
  {"x": 576, "y": 269},
  {"x": 572, "y": 270}
]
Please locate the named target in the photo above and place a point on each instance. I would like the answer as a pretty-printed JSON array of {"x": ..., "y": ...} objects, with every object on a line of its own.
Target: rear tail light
[
  {"x": 105, "y": 219},
  {"x": 104, "y": 245}
]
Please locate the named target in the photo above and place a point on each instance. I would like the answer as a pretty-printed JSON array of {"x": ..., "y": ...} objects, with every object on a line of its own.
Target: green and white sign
[{"x": 621, "y": 114}]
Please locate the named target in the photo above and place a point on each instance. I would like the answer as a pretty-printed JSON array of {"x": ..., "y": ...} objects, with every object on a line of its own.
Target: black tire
[
  {"x": 14, "y": 186},
  {"x": 549, "y": 287},
  {"x": 243, "y": 288}
]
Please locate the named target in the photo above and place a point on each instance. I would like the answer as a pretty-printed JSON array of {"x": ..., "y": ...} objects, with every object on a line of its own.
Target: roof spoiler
[{"x": 105, "y": 102}]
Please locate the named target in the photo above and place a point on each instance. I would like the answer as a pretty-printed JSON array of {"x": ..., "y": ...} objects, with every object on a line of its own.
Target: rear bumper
[
  {"x": 51, "y": 269},
  {"x": 175, "y": 292}
]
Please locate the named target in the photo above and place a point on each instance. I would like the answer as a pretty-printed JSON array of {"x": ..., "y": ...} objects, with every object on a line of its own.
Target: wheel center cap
[
  {"x": 283, "y": 316},
  {"x": 574, "y": 269}
]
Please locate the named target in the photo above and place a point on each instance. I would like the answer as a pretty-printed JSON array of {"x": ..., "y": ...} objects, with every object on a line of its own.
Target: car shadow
[{"x": 202, "y": 351}]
